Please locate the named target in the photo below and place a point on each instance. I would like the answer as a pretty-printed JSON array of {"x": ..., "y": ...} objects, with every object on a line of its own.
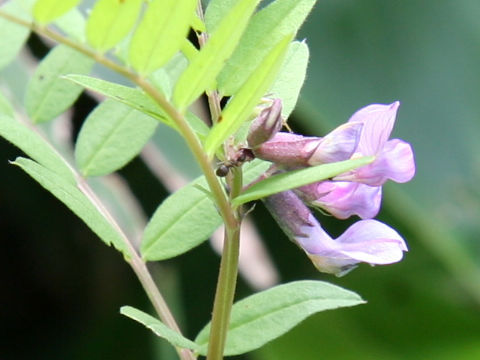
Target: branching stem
[{"x": 232, "y": 218}]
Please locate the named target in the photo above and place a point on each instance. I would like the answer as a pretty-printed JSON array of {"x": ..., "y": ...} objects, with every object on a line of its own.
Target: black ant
[{"x": 243, "y": 155}]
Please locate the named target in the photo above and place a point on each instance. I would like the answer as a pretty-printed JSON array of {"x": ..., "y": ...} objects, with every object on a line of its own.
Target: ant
[{"x": 243, "y": 155}]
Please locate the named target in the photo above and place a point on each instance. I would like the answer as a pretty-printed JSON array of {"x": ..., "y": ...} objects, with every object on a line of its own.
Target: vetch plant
[{"x": 248, "y": 58}]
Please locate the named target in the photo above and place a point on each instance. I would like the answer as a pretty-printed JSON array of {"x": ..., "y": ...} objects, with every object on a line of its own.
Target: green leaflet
[
  {"x": 269, "y": 314},
  {"x": 202, "y": 71},
  {"x": 5, "y": 107},
  {"x": 110, "y": 137},
  {"x": 197, "y": 24},
  {"x": 48, "y": 95},
  {"x": 110, "y": 21},
  {"x": 188, "y": 50},
  {"x": 280, "y": 18},
  {"x": 241, "y": 106},
  {"x": 187, "y": 218},
  {"x": 290, "y": 79},
  {"x": 296, "y": 178},
  {"x": 160, "y": 33},
  {"x": 46, "y": 11},
  {"x": 132, "y": 97},
  {"x": 183, "y": 221},
  {"x": 75, "y": 200},
  {"x": 13, "y": 36},
  {"x": 35, "y": 146},
  {"x": 73, "y": 24},
  {"x": 159, "y": 328},
  {"x": 216, "y": 11}
]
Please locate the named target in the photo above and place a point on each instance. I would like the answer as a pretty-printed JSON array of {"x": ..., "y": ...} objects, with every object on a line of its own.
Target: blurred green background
[{"x": 62, "y": 288}]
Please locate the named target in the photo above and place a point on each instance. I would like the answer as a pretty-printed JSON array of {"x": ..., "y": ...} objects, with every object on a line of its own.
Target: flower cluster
[{"x": 357, "y": 192}]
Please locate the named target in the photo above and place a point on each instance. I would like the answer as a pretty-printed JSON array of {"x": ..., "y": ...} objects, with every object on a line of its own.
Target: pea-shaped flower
[
  {"x": 359, "y": 192},
  {"x": 368, "y": 241}
]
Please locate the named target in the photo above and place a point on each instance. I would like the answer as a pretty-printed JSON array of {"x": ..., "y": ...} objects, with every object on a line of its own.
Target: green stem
[
  {"x": 224, "y": 294},
  {"x": 196, "y": 148},
  {"x": 229, "y": 263},
  {"x": 227, "y": 278}
]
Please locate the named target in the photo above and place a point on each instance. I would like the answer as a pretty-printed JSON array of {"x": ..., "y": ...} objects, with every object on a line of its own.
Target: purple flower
[
  {"x": 394, "y": 158},
  {"x": 343, "y": 199},
  {"x": 359, "y": 192},
  {"x": 293, "y": 151},
  {"x": 368, "y": 241}
]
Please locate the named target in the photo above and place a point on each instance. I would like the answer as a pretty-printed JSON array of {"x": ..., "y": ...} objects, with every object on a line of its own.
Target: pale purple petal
[
  {"x": 365, "y": 241},
  {"x": 368, "y": 241},
  {"x": 338, "y": 145},
  {"x": 395, "y": 162},
  {"x": 343, "y": 199},
  {"x": 378, "y": 121},
  {"x": 372, "y": 242}
]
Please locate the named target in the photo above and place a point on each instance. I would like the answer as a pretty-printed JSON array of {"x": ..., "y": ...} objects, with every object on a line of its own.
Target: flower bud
[
  {"x": 266, "y": 125},
  {"x": 287, "y": 149}
]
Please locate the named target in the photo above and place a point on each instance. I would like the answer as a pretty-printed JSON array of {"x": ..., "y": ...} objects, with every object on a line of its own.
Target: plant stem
[
  {"x": 229, "y": 263},
  {"x": 227, "y": 278},
  {"x": 213, "y": 96},
  {"x": 224, "y": 294}
]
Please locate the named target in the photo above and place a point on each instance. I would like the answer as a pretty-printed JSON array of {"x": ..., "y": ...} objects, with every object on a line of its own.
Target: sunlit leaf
[
  {"x": 241, "y": 106},
  {"x": 48, "y": 95},
  {"x": 12, "y": 36},
  {"x": 73, "y": 24},
  {"x": 183, "y": 221},
  {"x": 186, "y": 218},
  {"x": 46, "y": 11},
  {"x": 35, "y": 146},
  {"x": 290, "y": 79},
  {"x": 110, "y": 137},
  {"x": 132, "y": 97},
  {"x": 160, "y": 33},
  {"x": 203, "y": 70},
  {"x": 267, "y": 28},
  {"x": 110, "y": 21},
  {"x": 189, "y": 50},
  {"x": 216, "y": 11},
  {"x": 159, "y": 328},
  {"x": 75, "y": 200},
  {"x": 197, "y": 24},
  {"x": 269, "y": 314},
  {"x": 297, "y": 178}
]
